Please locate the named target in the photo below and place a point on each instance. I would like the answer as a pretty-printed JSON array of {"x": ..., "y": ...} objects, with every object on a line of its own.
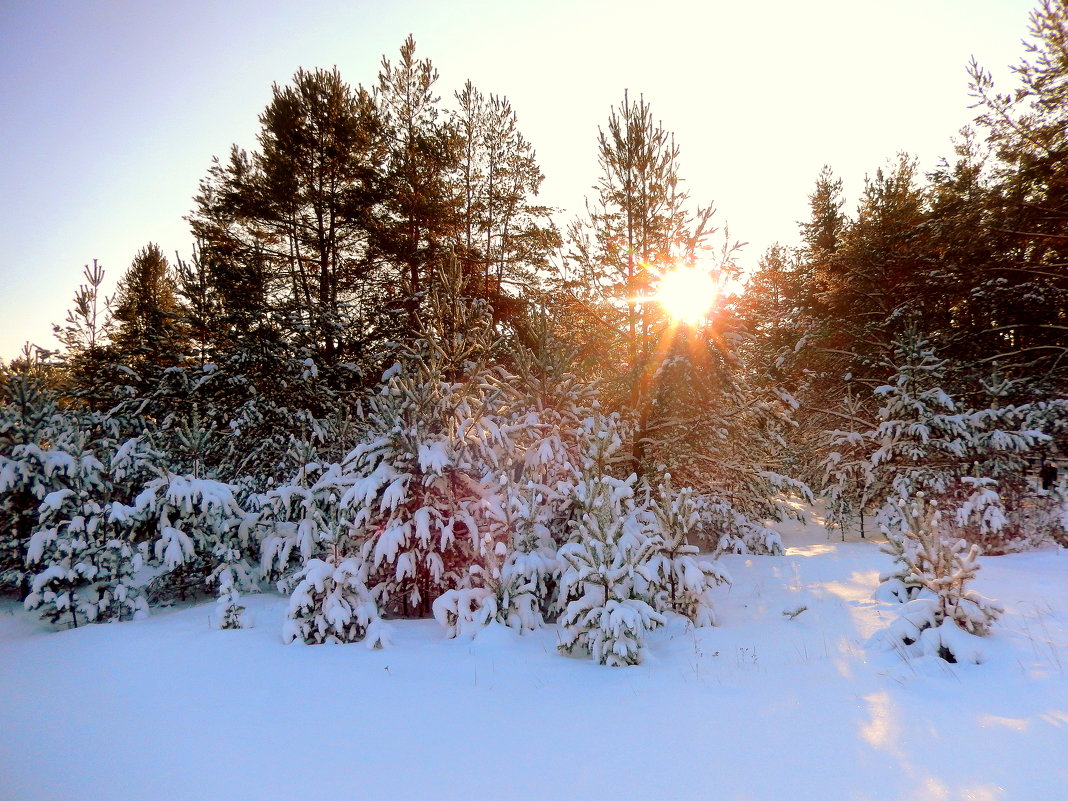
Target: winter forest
[{"x": 388, "y": 385}]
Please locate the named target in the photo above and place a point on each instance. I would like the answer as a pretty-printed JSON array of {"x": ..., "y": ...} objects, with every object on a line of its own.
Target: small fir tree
[
  {"x": 848, "y": 480},
  {"x": 684, "y": 581},
  {"x": 29, "y": 422},
  {"x": 943, "y": 615},
  {"x": 331, "y": 603},
  {"x": 198, "y": 537},
  {"x": 83, "y": 543},
  {"x": 609, "y": 571},
  {"x": 425, "y": 500}
]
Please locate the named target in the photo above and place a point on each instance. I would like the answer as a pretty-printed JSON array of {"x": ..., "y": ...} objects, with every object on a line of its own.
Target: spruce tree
[{"x": 148, "y": 333}]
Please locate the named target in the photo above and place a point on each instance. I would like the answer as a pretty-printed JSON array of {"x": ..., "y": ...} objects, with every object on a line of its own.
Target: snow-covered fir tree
[
  {"x": 426, "y": 476},
  {"x": 329, "y": 600},
  {"x": 1005, "y": 441},
  {"x": 331, "y": 603},
  {"x": 925, "y": 443},
  {"x": 83, "y": 546},
  {"x": 939, "y": 470},
  {"x": 848, "y": 481},
  {"x": 550, "y": 408},
  {"x": 609, "y": 575},
  {"x": 30, "y": 425},
  {"x": 201, "y": 538},
  {"x": 198, "y": 539},
  {"x": 302, "y": 515},
  {"x": 683, "y": 580},
  {"x": 941, "y": 614},
  {"x": 63, "y": 545}
]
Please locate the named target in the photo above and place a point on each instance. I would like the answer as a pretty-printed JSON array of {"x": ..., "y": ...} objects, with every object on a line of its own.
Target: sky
[{"x": 110, "y": 112}]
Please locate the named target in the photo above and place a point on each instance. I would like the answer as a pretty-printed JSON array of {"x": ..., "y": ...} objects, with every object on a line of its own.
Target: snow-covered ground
[{"x": 764, "y": 706}]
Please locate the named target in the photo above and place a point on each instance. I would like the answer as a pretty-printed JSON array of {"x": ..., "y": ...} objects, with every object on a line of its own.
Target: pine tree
[
  {"x": 504, "y": 236},
  {"x": 770, "y": 311},
  {"x": 284, "y": 230},
  {"x": 941, "y": 615},
  {"x": 719, "y": 426},
  {"x": 199, "y": 308},
  {"x": 882, "y": 273},
  {"x": 927, "y": 447},
  {"x": 1024, "y": 291},
  {"x": 420, "y": 214},
  {"x": 638, "y": 228},
  {"x": 551, "y": 407},
  {"x": 85, "y": 353},
  {"x": 66, "y": 546},
  {"x": 822, "y": 236},
  {"x": 304, "y": 515}
]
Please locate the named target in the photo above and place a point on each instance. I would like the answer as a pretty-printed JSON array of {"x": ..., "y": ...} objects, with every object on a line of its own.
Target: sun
[{"x": 686, "y": 294}]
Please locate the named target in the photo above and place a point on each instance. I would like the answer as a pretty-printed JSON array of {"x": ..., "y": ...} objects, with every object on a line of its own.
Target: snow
[{"x": 763, "y": 707}]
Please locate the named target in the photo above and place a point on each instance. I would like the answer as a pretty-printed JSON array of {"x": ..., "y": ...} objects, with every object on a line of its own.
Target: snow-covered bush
[
  {"x": 465, "y": 611},
  {"x": 729, "y": 531}
]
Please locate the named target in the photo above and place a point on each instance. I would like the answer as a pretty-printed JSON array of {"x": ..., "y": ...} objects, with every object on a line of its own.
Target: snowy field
[{"x": 763, "y": 707}]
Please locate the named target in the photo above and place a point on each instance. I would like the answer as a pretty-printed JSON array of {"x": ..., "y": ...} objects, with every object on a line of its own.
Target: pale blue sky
[{"x": 110, "y": 112}]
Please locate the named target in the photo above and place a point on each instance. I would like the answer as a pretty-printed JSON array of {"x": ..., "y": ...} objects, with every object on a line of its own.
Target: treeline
[
  {"x": 386, "y": 380},
  {"x": 958, "y": 277}
]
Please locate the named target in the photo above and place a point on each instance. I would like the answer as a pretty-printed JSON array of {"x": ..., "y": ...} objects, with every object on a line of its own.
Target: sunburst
[{"x": 687, "y": 294}]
